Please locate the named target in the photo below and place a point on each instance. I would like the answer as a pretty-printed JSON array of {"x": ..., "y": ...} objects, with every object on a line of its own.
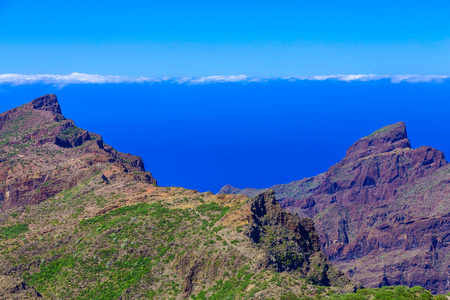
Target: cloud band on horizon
[{"x": 83, "y": 78}]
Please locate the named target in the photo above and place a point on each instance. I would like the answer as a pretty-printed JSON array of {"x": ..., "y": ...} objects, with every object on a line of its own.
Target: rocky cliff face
[
  {"x": 383, "y": 212},
  {"x": 42, "y": 153},
  {"x": 289, "y": 243}
]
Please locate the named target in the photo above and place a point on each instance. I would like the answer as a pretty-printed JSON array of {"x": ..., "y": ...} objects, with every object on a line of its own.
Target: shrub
[{"x": 13, "y": 231}]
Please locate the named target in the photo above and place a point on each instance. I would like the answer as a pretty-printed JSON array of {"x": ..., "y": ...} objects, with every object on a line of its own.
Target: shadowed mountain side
[{"x": 382, "y": 213}]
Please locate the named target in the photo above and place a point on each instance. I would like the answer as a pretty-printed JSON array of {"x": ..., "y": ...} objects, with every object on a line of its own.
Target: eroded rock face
[
  {"x": 47, "y": 103},
  {"x": 42, "y": 153},
  {"x": 290, "y": 243},
  {"x": 383, "y": 212}
]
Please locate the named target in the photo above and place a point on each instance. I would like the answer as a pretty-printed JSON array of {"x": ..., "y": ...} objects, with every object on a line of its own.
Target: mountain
[
  {"x": 382, "y": 213},
  {"x": 42, "y": 153},
  {"x": 80, "y": 220}
]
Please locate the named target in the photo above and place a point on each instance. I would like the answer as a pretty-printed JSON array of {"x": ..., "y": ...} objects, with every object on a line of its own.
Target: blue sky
[{"x": 201, "y": 38}]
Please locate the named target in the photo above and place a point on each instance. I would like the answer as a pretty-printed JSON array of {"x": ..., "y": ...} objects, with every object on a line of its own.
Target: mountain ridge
[{"x": 381, "y": 198}]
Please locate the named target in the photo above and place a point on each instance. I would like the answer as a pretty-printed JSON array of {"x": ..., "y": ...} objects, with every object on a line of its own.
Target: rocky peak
[
  {"x": 386, "y": 139},
  {"x": 40, "y": 146},
  {"x": 267, "y": 211},
  {"x": 376, "y": 165},
  {"x": 48, "y": 103}
]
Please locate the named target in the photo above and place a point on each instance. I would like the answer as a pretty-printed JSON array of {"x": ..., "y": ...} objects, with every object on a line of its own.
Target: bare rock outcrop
[{"x": 290, "y": 243}]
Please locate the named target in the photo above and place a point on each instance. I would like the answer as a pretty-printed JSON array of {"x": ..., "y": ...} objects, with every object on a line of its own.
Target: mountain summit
[
  {"x": 382, "y": 213},
  {"x": 43, "y": 153},
  {"x": 383, "y": 140},
  {"x": 47, "y": 103}
]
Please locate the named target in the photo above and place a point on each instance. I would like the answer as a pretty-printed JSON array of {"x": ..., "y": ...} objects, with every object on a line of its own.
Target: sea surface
[{"x": 253, "y": 134}]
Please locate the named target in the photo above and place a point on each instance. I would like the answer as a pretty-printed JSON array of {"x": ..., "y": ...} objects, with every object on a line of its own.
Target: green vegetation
[
  {"x": 384, "y": 293},
  {"x": 213, "y": 211},
  {"x": 127, "y": 248},
  {"x": 72, "y": 132},
  {"x": 120, "y": 275},
  {"x": 390, "y": 293},
  {"x": 382, "y": 130},
  {"x": 142, "y": 249},
  {"x": 111, "y": 235},
  {"x": 234, "y": 288},
  {"x": 13, "y": 231}
]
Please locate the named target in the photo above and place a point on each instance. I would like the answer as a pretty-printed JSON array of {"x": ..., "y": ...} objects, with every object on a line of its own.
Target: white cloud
[
  {"x": 419, "y": 78},
  {"x": 82, "y": 78},
  {"x": 74, "y": 78},
  {"x": 211, "y": 79},
  {"x": 371, "y": 77}
]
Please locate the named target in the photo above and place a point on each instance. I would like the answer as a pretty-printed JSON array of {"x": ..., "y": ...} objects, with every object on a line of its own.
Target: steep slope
[
  {"x": 80, "y": 220},
  {"x": 383, "y": 212},
  {"x": 42, "y": 153}
]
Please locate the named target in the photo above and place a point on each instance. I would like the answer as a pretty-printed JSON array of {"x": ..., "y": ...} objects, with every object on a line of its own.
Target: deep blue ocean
[{"x": 246, "y": 134}]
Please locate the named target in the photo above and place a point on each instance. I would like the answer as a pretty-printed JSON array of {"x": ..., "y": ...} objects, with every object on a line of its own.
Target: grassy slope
[{"x": 145, "y": 249}]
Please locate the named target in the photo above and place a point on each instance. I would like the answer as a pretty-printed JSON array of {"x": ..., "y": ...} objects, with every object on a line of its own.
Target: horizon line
[{"x": 15, "y": 79}]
